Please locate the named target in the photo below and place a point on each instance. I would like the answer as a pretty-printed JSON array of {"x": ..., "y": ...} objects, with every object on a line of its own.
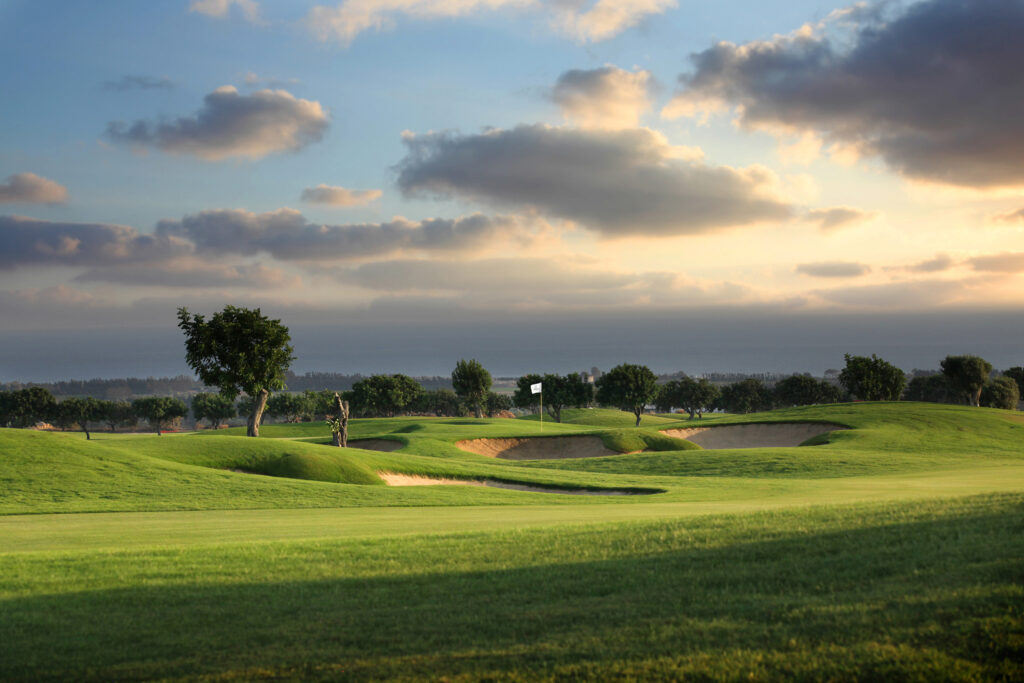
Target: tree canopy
[
  {"x": 471, "y": 382},
  {"x": 967, "y": 376},
  {"x": 872, "y": 379},
  {"x": 746, "y": 396},
  {"x": 560, "y": 391},
  {"x": 629, "y": 387},
  {"x": 159, "y": 410},
  {"x": 384, "y": 395},
  {"x": 1001, "y": 392},
  {"x": 215, "y": 408},
  {"x": 238, "y": 350}
]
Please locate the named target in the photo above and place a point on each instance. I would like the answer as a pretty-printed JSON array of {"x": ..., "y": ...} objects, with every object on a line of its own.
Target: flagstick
[{"x": 542, "y": 411}]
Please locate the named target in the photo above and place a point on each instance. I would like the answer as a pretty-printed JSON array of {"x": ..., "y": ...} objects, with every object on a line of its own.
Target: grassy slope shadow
[{"x": 902, "y": 593}]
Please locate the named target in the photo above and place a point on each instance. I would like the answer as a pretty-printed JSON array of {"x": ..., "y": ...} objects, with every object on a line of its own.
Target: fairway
[{"x": 891, "y": 544}]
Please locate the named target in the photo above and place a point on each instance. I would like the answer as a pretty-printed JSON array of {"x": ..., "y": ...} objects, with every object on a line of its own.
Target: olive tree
[
  {"x": 214, "y": 408},
  {"x": 471, "y": 382},
  {"x": 81, "y": 411},
  {"x": 967, "y": 376},
  {"x": 1001, "y": 392},
  {"x": 559, "y": 391},
  {"x": 629, "y": 387},
  {"x": 746, "y": 396},
  {"x": 238, "y": 349},
  {"x": 872, "y": 379},
  {"x": 159, "y": 410}
]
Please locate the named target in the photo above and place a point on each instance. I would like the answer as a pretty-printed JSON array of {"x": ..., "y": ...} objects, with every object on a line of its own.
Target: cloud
[
  {"x": 1010, "y": 217},
  {"x": 608, "y": 97},
  {"x": 189, "y": 273},
  {"x": 934, "y": 91},
  {"x": 220, "y": 8},
  {"x": 30, "y": 242},
  {"x": 338, "y": 196},
  {"x": 29, "y": 188},
  {"x": 1006, "y": 262},
  {"x": 232, "y": 125},
  {"x": 139, "y": 82},
  {"x": 582, "y": 20},
  {"x": 254, "y": 79},
  {"x": 627, "y": 182},
  {"x": 287, "y": 235},
  {"x": 837, "y": 217},
  {"x": 530, "y": 282},
  {"x": 937, "y": 264},
  {"x": 605, "y": 18},
  {"x": 833, "y": 269},
  {"x": 898, "y": 295}
]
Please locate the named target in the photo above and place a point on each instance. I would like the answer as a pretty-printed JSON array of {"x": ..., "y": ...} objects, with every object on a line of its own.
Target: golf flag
[{"x": 535, "y": 388}]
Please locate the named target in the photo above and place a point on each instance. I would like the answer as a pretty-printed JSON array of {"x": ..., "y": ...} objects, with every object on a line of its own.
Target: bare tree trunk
[
  {"x": 476, "y": 409},
  {"x": 85, "y": 428},
  {"x": 638, "y": 413},
  {"x": 253, "y": 428},
  {"x": 341, "y": 436}
]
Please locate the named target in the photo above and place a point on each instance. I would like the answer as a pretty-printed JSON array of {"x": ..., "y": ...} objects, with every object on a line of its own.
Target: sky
[{"x": 546, "y": 185}]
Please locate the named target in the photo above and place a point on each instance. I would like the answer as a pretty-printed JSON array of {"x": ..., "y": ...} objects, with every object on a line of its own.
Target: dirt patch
[
  {"x": 393, "y": 479},
  {"x": 538, "y": 447},
  {"x": 376, "y": 444},
  {"x": 774, "y": 435}
]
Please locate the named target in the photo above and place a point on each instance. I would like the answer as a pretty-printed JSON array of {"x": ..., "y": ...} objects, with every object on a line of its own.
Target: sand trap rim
[
  {"x": 765, "y": 434},
  {"x": 399, "y": 479}
]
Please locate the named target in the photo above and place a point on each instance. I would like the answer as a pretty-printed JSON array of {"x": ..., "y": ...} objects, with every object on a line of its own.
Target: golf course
[{"x": 853, "y": 541}]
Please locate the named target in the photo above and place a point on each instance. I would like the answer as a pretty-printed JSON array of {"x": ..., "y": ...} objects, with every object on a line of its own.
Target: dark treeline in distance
[{"x": 962, "y": 380}]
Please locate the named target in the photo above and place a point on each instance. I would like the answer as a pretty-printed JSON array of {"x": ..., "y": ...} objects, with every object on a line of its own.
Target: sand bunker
[
  {"x": 538, "y": 447},
  {"x": 376, "y": 444},
  {"x": 753, "y": 435},
  {"x": 393, "y": 479}
]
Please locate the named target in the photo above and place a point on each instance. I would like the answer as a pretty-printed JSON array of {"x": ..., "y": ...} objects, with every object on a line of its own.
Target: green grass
[
  {"x": 892, "y": 550},
  {"x": 925, "y": 591}
]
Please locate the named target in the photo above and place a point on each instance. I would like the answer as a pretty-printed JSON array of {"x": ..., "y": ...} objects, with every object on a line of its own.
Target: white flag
[{"x": 535, "y": 388}]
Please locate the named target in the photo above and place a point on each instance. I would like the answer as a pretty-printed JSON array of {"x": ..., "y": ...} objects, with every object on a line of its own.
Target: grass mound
[
  {"x": 632, "y": 440},
  {"x": 329, "y": 466}
]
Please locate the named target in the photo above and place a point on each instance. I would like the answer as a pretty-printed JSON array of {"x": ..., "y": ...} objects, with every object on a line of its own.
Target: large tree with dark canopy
[
  {"x": 559, "y": 391},
  {"x": 471, "y": 382},
  {"x": 629, "y": 387},
  {"x": 872, "y": 379},
  {"x": 967, "y": 375},
  {"x": 746, "y": 396},
  {"x": 239, "y": 349},
  {"x": 213, "y": 407},
  {"x": 81, "y": 411}
]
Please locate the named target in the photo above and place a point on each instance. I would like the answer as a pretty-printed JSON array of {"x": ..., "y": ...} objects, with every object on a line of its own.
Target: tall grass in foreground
[{"x": 923, "y": 591}]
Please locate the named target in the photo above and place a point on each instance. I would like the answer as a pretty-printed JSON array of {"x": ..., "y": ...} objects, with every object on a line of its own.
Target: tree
[
  {"x": 471, "y": 382},
  {"x": 339, "y": 422},
  {"x": 629, "y": 387},
  {"x": 804, "y": 390},
  {"x": 523, "y": 396},
  {"x": 967, "y": 376},
  {"x": 159, "y": 410},
  {"x": 872, "y": 379},
  {"x": 25, "y": 407},
  {"x": 929, "y": 388},
  {"x": 238, "y": 350},
  {"x": 80, "y": 411},
  {"x": 560, "y": 391},
  {"x": 1001, "y": 392},
  {"x": 746, "y": 396},
  {"x": 440, "y": 402},
  {"x": 497, "y": 403},
  {"x": 214, "y": 408},
  {"x": 117, "y": 414},
  {"x": 290, "y": 407},
  {"x": 1017, "y": 375},
  {"x": 385, "y": 395},
  {"x": 697, "y": 396}
]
